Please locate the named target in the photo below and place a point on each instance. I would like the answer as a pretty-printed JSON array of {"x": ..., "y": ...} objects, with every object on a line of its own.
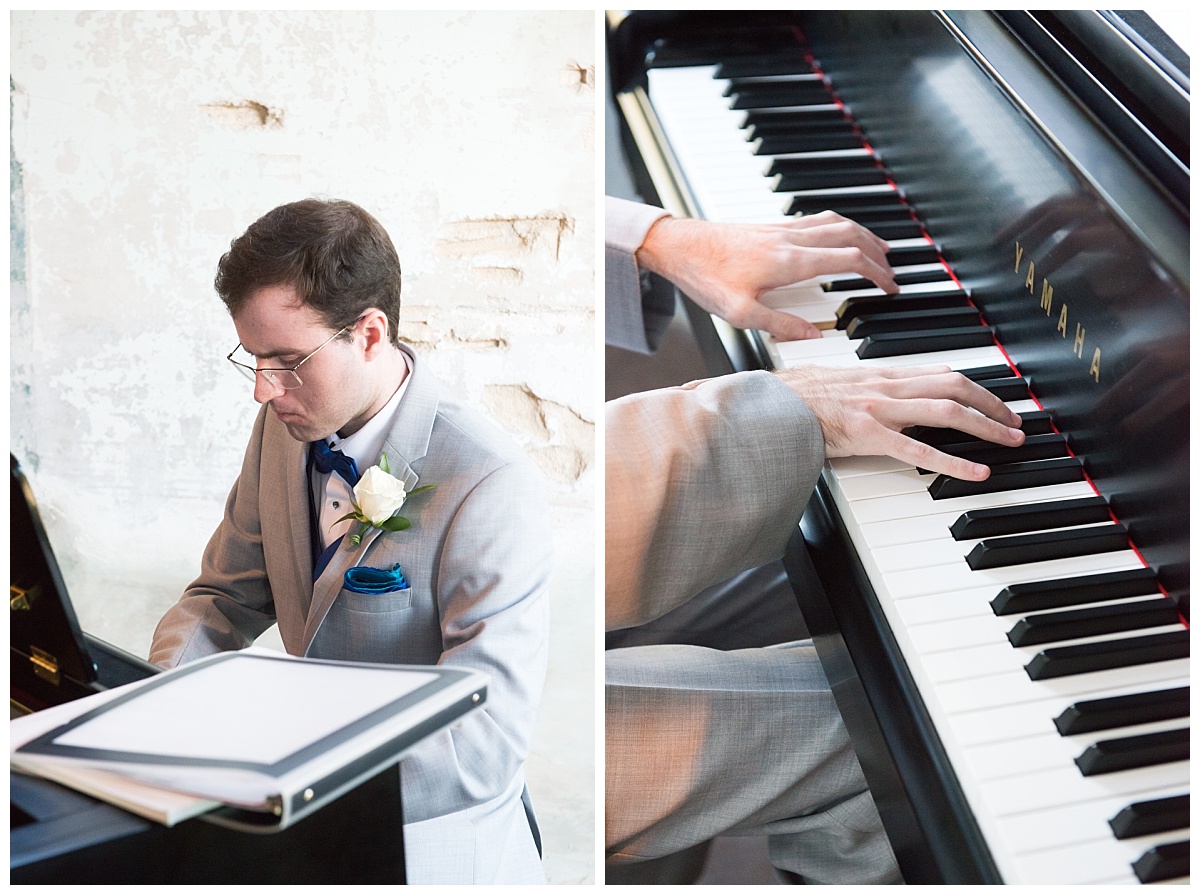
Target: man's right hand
[
  {"x": 862, "y": 413},
  {"x": 727, "y": 268}
]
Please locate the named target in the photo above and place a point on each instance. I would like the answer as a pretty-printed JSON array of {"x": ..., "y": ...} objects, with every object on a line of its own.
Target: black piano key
[
  {"x": 924, "y": 254},
  {"x": 902, "y": 278},
  {"x": 1153, "y": 816},
  {"x": 1032, "y": 474},
  {"x": 905, "y": 302},
  {"x": 906, "y": 320},
  {"x": 781, "y": 80},
  {"x": 1070, "y": 624},
  {"x": 799, "y": 123},
  {"x": 1164, "y": 862},
  {"x": 774, "y": 96},
  {"x": 1061, "y": 661},
  {"x": 993, "y": 371},
  {"x": 994, "y": 553},
  {"x": 1033, "y": 422},
  {"x": 1030, "y": 596},
  {"x": 867, "y": 215},
  {"x": 792, "y": 64},
  {"x": 923, "y": 341},
  {"x": 820, "y": 141},
  {"x": 795, "y": 181},
  {"x": 906, "y": 229},
  {"x": 1008, "y": 388},
  {"x": 1141, "y": 751},
  {"x": 809, "y": 120},
  {"x": 991, "y": 521},
  {"x": 847, "y": 205},
  {"x": 1124, "y": 711},
  {"x": 795, "y": 117},
  {"x": 789, "y": 164},
  {"x": 1036, "y": 447}
]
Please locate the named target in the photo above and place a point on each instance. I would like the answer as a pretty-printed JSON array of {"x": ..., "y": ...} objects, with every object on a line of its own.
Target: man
[
  {"x": 708, "y": 480},
  {"x": 314, "y": 291}
]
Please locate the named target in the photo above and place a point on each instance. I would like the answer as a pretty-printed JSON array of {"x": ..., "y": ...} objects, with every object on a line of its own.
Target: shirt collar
[{"x": 365, "y": 445}]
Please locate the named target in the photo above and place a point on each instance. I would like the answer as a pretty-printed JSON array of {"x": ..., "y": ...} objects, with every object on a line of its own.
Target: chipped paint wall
[{"x": 142, "y": 143}]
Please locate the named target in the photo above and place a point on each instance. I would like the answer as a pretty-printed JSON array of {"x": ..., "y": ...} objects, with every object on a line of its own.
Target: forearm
[{"x": 701, "y": 482}]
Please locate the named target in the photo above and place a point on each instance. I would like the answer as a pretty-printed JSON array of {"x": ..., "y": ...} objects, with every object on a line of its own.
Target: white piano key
[
  {"x": 1001, "y": 657},
  {"x": 1043, "y": 789},
  {"x": 974, "y": 624},
  {"x": 1015, "y": 687},
  {"x": 880, "y": 509},
  {"x": 1071, "y": 824},
  {"x": 933, "y": 608},
  {"x": 953, "y": 577},
  {"x": 1008, "y": 722},
  {"x": 943, "y": 549},
  {"x": 1090, "y": 862}
]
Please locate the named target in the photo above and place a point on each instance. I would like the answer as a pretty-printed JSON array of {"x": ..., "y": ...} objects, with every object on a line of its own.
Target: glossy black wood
[{"x": 62, "y": 837}]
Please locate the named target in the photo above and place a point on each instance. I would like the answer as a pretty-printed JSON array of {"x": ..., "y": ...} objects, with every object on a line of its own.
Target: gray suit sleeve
[
  {"x": 492, "y": 591},
  {"x": 638, "y": 305},
  {"x": 701, "y": 482},
  {"x": 230, "y": 604}
]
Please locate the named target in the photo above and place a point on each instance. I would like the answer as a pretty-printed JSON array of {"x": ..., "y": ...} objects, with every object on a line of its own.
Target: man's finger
[
  {"x": 782, "y": 326},
  {"x": 957, "y": 388},
  {"x": 921, "y": 455},
  {"x": 947, "y": 413}
]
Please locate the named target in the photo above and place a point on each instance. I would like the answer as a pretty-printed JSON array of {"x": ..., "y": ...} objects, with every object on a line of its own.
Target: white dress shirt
[{"x": 364, "y": 447}]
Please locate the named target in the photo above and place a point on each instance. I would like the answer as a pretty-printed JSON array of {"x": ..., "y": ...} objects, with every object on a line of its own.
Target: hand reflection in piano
[
  {"x": 862, "y": 412},
  {"x": 726, "y": 268}
]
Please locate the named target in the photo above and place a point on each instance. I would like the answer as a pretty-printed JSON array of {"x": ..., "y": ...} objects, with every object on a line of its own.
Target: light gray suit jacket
[
  {"x": 701, "y": 481},
  {"x": 478, "y": 561}
]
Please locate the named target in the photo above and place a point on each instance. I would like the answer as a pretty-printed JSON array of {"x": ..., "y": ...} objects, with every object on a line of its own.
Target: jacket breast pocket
[{"x": 395, "y": 601}]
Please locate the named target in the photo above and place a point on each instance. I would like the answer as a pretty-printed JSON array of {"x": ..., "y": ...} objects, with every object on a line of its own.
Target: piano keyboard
[{"x": 1052, "y": 666}]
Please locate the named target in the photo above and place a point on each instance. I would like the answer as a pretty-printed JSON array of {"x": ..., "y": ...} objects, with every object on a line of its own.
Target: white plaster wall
[{"x": 142, "y": 143}]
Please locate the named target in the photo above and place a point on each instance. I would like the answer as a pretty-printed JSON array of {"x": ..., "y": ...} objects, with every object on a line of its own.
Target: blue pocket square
[{"x": 366, "y": 580}]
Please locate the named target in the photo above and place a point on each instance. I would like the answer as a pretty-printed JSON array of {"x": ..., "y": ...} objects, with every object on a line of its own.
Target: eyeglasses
[{"x": 284, "y": 377}]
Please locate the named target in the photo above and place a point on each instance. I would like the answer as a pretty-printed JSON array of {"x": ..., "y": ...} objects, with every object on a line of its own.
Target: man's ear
[{"x": 374, "y": 329}]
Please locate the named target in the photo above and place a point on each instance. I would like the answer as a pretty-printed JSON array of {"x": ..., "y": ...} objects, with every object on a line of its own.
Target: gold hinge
[
  {"x": 18, "y": 598},
  {"x": 45, "y": 665}
]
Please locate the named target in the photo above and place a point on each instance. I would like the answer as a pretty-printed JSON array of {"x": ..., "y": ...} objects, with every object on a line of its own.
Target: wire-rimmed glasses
[{"x": 284, "y": 377}]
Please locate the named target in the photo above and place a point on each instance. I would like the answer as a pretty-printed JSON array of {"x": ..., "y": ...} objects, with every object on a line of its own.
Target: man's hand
[
  {"x": 726, "y": 268},
  {"x": 862, "y": 412}
]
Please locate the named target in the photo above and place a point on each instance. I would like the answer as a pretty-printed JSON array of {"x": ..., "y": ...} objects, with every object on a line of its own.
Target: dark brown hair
[{"x": 337, "y": 257}]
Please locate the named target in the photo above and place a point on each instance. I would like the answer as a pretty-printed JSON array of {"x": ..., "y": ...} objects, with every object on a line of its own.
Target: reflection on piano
[{"x": 1010, "y": 656}]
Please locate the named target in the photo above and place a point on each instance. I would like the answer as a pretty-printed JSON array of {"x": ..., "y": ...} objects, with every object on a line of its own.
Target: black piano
[
  {"x": 1011, "y": 660},
  {"x": 60, "y": 836}
]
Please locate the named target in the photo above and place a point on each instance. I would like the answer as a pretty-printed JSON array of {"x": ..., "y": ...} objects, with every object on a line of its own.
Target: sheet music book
[{"x": 270, "y": 736}]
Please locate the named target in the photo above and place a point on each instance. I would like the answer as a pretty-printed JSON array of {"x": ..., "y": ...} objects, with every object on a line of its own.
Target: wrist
[{"x": 661, "y": 249}]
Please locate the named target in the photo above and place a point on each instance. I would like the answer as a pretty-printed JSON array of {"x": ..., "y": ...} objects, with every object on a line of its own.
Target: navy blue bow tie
[{"x": 328, "y": 460}]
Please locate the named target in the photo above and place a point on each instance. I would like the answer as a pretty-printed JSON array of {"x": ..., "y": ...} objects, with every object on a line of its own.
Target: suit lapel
[
  {"x": 298, "y": 526},
  {"x": 405, "y": 445}
]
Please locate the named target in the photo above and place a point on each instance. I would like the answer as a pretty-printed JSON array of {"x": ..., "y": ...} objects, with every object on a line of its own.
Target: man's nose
[{"x": 265, "y": 389}]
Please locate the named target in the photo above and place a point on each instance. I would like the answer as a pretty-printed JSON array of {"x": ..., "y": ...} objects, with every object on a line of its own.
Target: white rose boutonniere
[{"x": 378, "y": 497}]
